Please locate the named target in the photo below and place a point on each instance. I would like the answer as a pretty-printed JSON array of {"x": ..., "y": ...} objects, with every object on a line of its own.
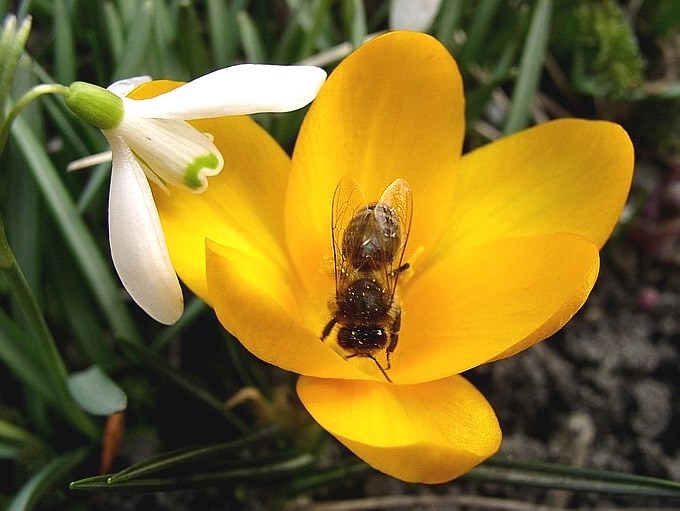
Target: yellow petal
[
  {"x": 393, "y": 108},
  {"x": 498, "y": 297},
  {"x": 427, "y": 433},
  {"x": 242, "y": 206},
  {"x": 568, "y": 175},
  {"x": 256, "y": 300}
]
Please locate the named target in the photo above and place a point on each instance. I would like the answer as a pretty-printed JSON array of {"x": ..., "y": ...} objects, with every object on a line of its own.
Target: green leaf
[
  {"x": 136, "y": 43},
  {"x": 530, "y": 68},
  {"x": 15, "y": 354},
  {"x": 191, "y": 44},
  {"x": 96, "y": 393},
  {"x": 250, "y": 38},
  {"x": 64, "y": 52},
  {"x": 355, "y": 21},
  {"x": 221, "y": 32},
  {"x": 193, "y": 455},
  {"x": 184, "y": 381},
  {"x": 563, "y": 477},
  {"x": 87, "y": 254},
  {"x": 193, "y": 309},
  {"x": 114, "y": 30},
  {"x": 52, "y": 473},
  {"x": 281, "y": 470}
]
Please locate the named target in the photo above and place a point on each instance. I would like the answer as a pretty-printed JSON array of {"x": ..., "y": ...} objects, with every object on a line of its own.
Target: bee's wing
[
  {"x": 399, "y": 198},
  {"x": 347, "y": 200}
]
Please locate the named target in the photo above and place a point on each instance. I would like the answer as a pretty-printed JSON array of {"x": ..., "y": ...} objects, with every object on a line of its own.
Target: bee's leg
[
  {"x": 394, "y": 336},
  {"x": 401, "y": 268},
  {"x": 379, "y": 366},
  {"x": 368, "y": 355},
  {"x": 327, "y": 329}
]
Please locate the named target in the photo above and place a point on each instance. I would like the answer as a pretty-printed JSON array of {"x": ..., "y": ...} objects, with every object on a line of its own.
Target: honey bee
[{"x": 369, "y": 240}]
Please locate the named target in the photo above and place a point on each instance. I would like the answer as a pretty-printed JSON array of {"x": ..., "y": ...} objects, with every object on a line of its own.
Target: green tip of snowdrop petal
[
  {"x": 193, "y": 176},
  {"x": 171, "y": 151},
  {"x": 237, "y": 90},
  {"x": 95, "y": 105}
]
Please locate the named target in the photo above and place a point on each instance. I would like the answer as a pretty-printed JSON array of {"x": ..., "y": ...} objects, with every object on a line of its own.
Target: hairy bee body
[{"x": 368, "y": 248}]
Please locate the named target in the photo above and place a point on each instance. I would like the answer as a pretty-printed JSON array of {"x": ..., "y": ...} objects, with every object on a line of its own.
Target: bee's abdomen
[
  {"x": 363, "y": 302},
  {"x": 362, "y": 338}
]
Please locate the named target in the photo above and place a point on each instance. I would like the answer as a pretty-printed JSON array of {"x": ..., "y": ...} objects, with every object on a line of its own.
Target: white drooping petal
[
  {"x": 123, "y": 87},
  {"x": 237, "y": 90},
  {"x": 138, "y": 247},
  {"x": 172, "y": 150},
  {"x": 415, "y": 15}
]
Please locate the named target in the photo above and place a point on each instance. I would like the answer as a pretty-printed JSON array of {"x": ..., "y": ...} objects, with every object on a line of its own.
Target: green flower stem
[
  {"x": 49, "y": 356},
  {"x": 23, "y": 102},
  {"x": 11, "y": 47}
]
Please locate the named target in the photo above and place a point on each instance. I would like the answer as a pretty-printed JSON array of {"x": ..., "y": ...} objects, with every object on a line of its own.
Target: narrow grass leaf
[
  {"x": 270, "y": 472},
  {"x": 479, "y": 30},
  {"x": 221, "y": 41},
  {"x": 184, "y": 381},
  {"x": 562, "y": 477},
  {"x": 354, "y": 15},
  {"x": 64, "y": 51},
  {"x": 15, "y": 434},
  {"x": 95, "y": 187},
  {"x": 114, "y": 30},
  {"x": 22, "y": 207},
  {"x": 192, "y": 455},
  {"x": 87, "y": 254},
  {"x": 321, "y": 16},
  {"x": 78, "y": 308},
  {"x": 136, "y": 43},
  {"x": 193, "y": 309},
  {"x": 449, "y": 19},
  {"x": 530, "y": 68},
  {"x": 192, "y": 46},
  {"x": 14, "y": 353},
  {"x": 42, "y": 482},
  {"x": 250, "y": 38}
]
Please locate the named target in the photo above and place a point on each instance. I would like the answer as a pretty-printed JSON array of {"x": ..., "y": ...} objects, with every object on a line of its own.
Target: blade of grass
[
  {"x": 23, "y": 208},
  {"x": 184, "y": 381},
  {"x": 321, "y": 15},
  {"x": 43, "y": 348},
  {"x": 530, "y": 68},
  {"x": 136, "y": 43},
  {"x": 277, "y": 471},
  {"x": 14, "y": 354},
  {"x": 52, "y": 473},
  {"x": 114, "y": 30},
  {"x": 192, "y": 454},
  {"x": 562, "y": 477},
  {"x": 479, "y": 29},
  {"x": 64, "y": 52},
  {"x": 192, "y": 311},
  {"x": 192, "y": 47},
  {"x": 449, "y": 18},
  {"x": 78, "y": 308},
  {"x": 221, "y": 42},
  {"x": 250, "y": 38},
  {"x": 76, "y": 234},
  {"x": 354, "y": 15},
  {"x": 13, "y": 433}
]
